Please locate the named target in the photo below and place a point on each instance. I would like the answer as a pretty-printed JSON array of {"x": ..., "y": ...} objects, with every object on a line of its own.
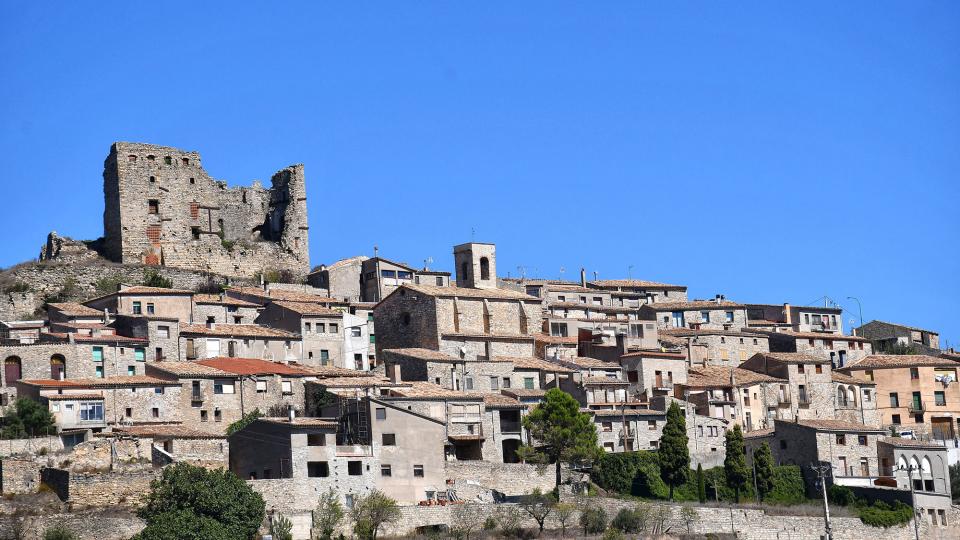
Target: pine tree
[
  {"x": 561, "y": 432},
  {"x": 763, "y": 470},
  {"x": 735, "y": 464},
  {"x": 674, "y": 452},
  {"x": 701, "y": 484}
]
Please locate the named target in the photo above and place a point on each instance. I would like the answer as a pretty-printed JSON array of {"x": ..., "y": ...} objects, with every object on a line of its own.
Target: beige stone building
[
  {"x": 704, "y": 314},
  {"x": 741, "y": 396},
  {"x": 810, "y": 380},
  {"x": 150, "y": 301},
  {"x": 321, "y": 329},
  {"x": 838, "y": 349},
  {"x": 777, "y": 317},
  {"x": 716, "y": 347},
  {"x": 223, "y": 309},
  {"x": 635, "y": 292},
  {"x": 199, "y": 341}
]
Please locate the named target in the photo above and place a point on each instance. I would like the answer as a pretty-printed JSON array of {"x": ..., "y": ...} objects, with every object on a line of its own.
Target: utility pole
[
  {"x": 821, "y": 471},
  {"x": 756, "y": 491},
  {"x": 913, "y": 500},
  {"x": 859, "y": 309}
]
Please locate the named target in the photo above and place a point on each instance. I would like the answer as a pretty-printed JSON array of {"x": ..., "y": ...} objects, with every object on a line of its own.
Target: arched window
[
  {"x": 925, "y": 467},
  {"x": 841, "y": 397},
  {"x": 12, "y": 370},
  {"x": 902, "y": 463},
  {"x": 58, "y": 367},
  {"x": 484, "y": 268},
  {"x": 914, "y": 463},
  {"x": 465, "y": 271},
  {"x": 852, "y": 395}
]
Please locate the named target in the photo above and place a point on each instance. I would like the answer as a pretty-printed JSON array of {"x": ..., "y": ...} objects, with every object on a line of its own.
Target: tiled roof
[
  {"x": 464, "y": 292},
  {"x": 847, "y": 379},
  {"x": 237, "y": 330},
  {"x": 837, "y": 425},
  {"x": 500, "y": 401},
  {"x": 525, "y": 392},
  {"x": 358, "y": 382},
  {"x": 811, "y": 335},
  {"x": 691, "y": 332},
  {"x": 912, "y": 443},
  {"x": 142, "y": 289},
  {"x": 300, "y": 421},
  {"x": 634, "y": 283},
  {"x": 655, "y": 353},
  {"x": 882, "y": 361},
  {"x": 914, "y": 328},
  {"x": 73, "y": 309},
  {"x": 308, "y": 308},
  {"x": 719, "y": 376},
  {"x": 283, "y": 294},
  {"x": 605, "y": 381},
  {"x": 563, "y": 287},
  {"x": 587, "y": 362},
  {"x": 333, "y": 371},
  {"x": 175, "y": 431},
  {"x": 694, "y": 304},
  {"x": 118, "y": 381},
  {"x": 221, "y": 299},
  {"x": 617, "y": 413},
  {"x": 429, "y": 355},
  {"x": 70, "y": 397},
  {"x": 555, "y": 340},
  {"x": 254, "y": 366},
  {"x": 758, "y": 433},
  {"x": 428, "y": 390},
  {"x": 188, "y": 369},
  {"x": 529, "y": 362},
  {"x": 61, "y": 337},
  {"x": 488, "y": 337},
  {"x": 792, "y": 358}
]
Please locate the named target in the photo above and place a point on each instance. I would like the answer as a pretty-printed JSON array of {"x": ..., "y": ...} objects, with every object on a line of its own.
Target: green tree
[
  {"x": 763, "y": 470},
  {"x": 561, "y": 431},
  {"x": 674, "y": 453},
  {"x": 59, "y": 532},
  {"x": 152, "y": 278},
  {"x": 328, "y": 515},
  {"x": 701, "y": 485},
  {"x": 244, "y": 421},
  {"x": 28, "y": 419},
  {"x": 538, "y": 506},
  {"x": 593, "y": 520},
  {"x": 735, "y": 464},
  {"x": 563, "y": 514},
  {"x": 955, "y": 481},
  {"x": 371, "y": 512},
  {"x": 193, "y": 503}
]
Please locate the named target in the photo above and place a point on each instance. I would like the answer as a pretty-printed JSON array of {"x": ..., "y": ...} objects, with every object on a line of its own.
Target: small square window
[
  {"x": 862, "y": 440},
  {"x": 155, "y": 412},
  {"x": 316, "y": 439},
  {"x": 389, "y": 439},
  {"x": 385, "y": 470},
  {"x": 354, "y": 468},
  {"x": 418, "y": 471},
  {"x": 381, "y": 413},
  {"x": 318, "y": 469}
]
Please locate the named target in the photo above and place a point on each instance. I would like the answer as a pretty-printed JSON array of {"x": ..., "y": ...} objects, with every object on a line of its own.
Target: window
[
  {"x": 355, "y": 331},
  {"x": 203, "y": 416},
  {"x": 841, "y": 439},
  {"x": 153, "y": 206},
  {"x": 316, "y": 439},
  {"x": 354, "y": 468},
  {"x": 389, "y": 439},
  {"x": 321, "y": 328},
  {"x": 132, "y": 370},
  {"x": 388, "y": 273},
  {"x": 506, "y": 382},
  {"x": 348, "y": 500},
  {"x": 373, "y": 338},
  {"x": 163, "y": 331},
  {"x": 223, "y": 387},
  {"x": 155, "y": 412},
  {"x": 484, "y": 268},
  {"x": 90, "y": 411},
  {"x": 318, "y": 469},
  {"x": 494, "y": 383},
  {"x": 381, "y": 413},
  {"x": 128, "y": 412},
  {"x": 385, "y": 470},
  {"x": 137, "y": 308},
  {"x": 468, "y": 382},
  {"x": 895, "y": 419},
  {"x": 678, "y": 319},
  {"x": 528, "y": 383},
  {"x": 158, "y": 390},
  {"x": 334, "y": 328},
  {"x": 151, "y": 309},
  {"x": 558, "y": 329},
  {"x": 307, "y": 327},
  {"x": 652, "y": 425},
  {"x": 705, "y": 316},
  {"x": 862, "y": 440},
  {"x": 914, "y": 373},
  {"x": 99, "y": 372},
  {"x": 261, "y": 386},
  {"x": 894, "y": 399},
  {"x": 217, "y": 415},
  {"x": 286, "y": 387},
  {"x": 729, "y": 317},
  {"x": 140, "y": 354},
  {"x": 939, "y": 399},
  {"x": 324, "y": 356},
  {"x": 418, "y": 471},
  {"x": 800, "y": 368},
  {"x": 606, "y": 426},
  {"x": 439, "y": 281},
  {"x": 403, "y": 274}
]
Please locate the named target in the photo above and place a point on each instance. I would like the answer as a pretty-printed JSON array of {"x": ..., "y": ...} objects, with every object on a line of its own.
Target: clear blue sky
[{"x": 773, "y": 153}]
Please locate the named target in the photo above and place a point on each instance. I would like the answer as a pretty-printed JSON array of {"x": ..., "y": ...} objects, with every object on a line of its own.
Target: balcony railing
[
  {"x": 196, "y": 395},
  {"x": 916, "y": 407},
  {"x": 803, "y": 401},
  {"x": 509, "y": 427},
  {"x": 784, "y": 401}
]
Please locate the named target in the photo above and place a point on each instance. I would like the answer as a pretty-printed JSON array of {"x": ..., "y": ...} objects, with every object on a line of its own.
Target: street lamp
[
  {"x": 859, "y": 308},
  {"x": 913, "y": 500}
]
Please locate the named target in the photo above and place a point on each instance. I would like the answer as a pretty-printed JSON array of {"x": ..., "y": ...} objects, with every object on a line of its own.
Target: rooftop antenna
[
  {"x": 562, "y": 270},
  {"x": 522, "y": 270},
  {"x": 594, "y": 275},
  {"x": 630, "y": 272},
  {"x": 427, "y": 262},
  {"x": 375, "y": 251},
  {"x": 473, "y": 233}
]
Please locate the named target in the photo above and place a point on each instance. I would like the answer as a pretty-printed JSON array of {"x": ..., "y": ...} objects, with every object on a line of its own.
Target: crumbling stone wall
[{"x": 162, "y": 208}]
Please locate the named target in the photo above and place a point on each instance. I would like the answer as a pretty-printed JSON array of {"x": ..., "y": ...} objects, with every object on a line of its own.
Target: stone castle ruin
[{"x": 162, "y": 208}]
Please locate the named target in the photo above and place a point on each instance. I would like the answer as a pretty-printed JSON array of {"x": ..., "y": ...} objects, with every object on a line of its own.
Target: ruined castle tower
[{"x": 162, "y": 208}]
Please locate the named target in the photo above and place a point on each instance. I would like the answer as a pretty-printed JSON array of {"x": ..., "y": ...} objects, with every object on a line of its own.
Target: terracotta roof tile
[
  {"x": 555, "y": 340},
  {"x": 758, "y": 433},
  {"x": 301, "y": 421},
  {"x": 694, "y": 304},
  {"x": 221, "y": 299},
  {"x": 529, "y": 362},
  {"x": 525, "y": 392},
  {"x": 883, "y": 361},
  {"x": 70, "y": 397},
  {"x": 792, "y": 358},
  {"x": 811, "y": 335},
  {"x": 604, "y": 381},
  {"x": 254, "y": 366},
  {"x": 428, "y": 390},
  {"x": 634, "y": 283},
  {"x": 720, "y": 376},
  {"x": 500, "y": 401},
  {"x": 847, "y": 379},
  {"x": 74, "y": 309},
  {"x": 308, "y": 308},
  {"x": 586, "y": 362},
  {"x": 617, "y": 413},
  {"x": 912, "y": 443},
  {"x": 188, "y": 369},
  {"x": 429, "y": 355},
  {"x": 237, "y": 330},
  {"x": 175, "y": 431},
  {"x": 109, "y": 382},
  {"x": 836, "y": 425},
  {"x": 283, "y": 294},
  {"x": 359, "y": 382},
  {"x": 464, "y": 292}
]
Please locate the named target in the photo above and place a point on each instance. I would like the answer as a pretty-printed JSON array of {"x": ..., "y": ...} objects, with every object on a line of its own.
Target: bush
[
  {"x": 244, "y": 421},
  {"x": 152, "y": 278},
  {"x": 627, "y": 520},
  {"x": 633, "y": 473},
  {"x": 59, "y": 532},
  {"x": 613, "y": 534},
  {"x": 489, "y": 524},
  {"x": 881, "y": 514},
  {"x": 17, "y": 286},
  {"x": 281, "y": 528},
  {"x": 788, "y": 486},
  {"x": 28, "y": 418},
  {"x": 107, "y": 284},
  {"x": 593, "y": 520},
  {"x": 841, "y": 495}
]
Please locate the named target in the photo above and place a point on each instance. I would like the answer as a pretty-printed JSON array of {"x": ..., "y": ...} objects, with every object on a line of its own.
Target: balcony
[
  {"x": 509, "y": 427},
  {"x": 917, "y": 407},
  {"x": 784, "y": 401},
  {"x": 803, "y": 401},
  {"x": 725, "y": 399},
  {"x": 196, "y": 395}
]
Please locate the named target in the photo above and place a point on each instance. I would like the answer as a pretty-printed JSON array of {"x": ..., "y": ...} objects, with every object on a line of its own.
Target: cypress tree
[
  {"x": 701, "y": 484},
  {"x": 763, "y": 470},
  {"x": 674, "y": 453},
  {"x": 735, "y": 464}
]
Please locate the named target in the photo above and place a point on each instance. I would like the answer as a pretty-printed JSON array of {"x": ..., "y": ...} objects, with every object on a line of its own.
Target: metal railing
[{"x": 916, "y": 407}]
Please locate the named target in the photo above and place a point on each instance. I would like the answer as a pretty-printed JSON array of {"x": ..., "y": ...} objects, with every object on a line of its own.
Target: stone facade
[{"x": 162, "y": 208}]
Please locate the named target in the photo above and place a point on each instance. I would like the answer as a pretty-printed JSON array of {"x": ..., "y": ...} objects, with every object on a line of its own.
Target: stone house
[
  {"x": 240, "y": 341},
  {"x": 636, "y": 292},
  {"x": 218, "y": 391},
  {"x": 840, "y": 350},
  {"x": 703, "y": 314},
  {"x": 178, "y": 443},
  {"x": 856, "y": 399},
  {"x": 223, "y": 309},
  {"x": 379, "y": 277},
  {"x": 924, "y": 465},
  {"x": 162, "y": 334},
  {"x": 20, "y": 332},
  {"x": 341, "y": 279},
  {"x": 547, "y": 346},
  {"x": 100, "y": 354},
  {"x": 150, "y": 301},
  {"x": 812, "y": 390},
  {"x": 741, "y": 396},
  {"x": 716, "y": 347},
  {"x": 446, "y": 371},
  {"x": 81, "y": 404},
  {"x": 654, "y": 372},
  {"x": 849, "y": 448},
  {"x": 321, "y": 329},
  {"x": 628, "y": 430},
  {"x": 262, "y": 296},
  {"x": 73, "y": 312},
  {"x": 797, "y": 318},
  {"x": 533, "y": 373},
  {"x": 359, "y": 339},
  {"x": 884, "y": 336},
  {"x": 915, "y": 392}
]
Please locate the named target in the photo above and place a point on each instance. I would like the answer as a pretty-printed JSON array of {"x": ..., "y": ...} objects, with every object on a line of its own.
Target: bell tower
[{"x": 476, "y": 265}]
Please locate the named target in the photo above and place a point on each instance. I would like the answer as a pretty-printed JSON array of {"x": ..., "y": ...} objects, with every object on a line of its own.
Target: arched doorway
[
  {"x": 12, "y": 370},
  {"x": 58, "y": 367}
]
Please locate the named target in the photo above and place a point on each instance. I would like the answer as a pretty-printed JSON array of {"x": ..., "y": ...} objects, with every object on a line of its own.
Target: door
[
  {"x": 11, "y": 370},
  {"x": 58, "y": 368},
  {"x": 659, "y": 377},
  {"x": 916, "y": 401},
  {"x": 842, "y": 466},
  {"x": 231, "y": 349}
]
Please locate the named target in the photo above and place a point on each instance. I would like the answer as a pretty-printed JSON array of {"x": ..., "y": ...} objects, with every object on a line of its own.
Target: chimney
[
  {"x": 718, "y": 298},
  {"x": 70, "y": 339},
  {"x": 621, "y": 343},
  {"x": 583, "y": 277},
  {"x": 291, "y": 414},
  {"x": 787, "y": 317},
  {"x": 106, "y": 316}
]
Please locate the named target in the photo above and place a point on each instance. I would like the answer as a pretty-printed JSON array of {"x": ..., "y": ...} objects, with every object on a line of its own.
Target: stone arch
[
  {"x": 484, "y": 268},
  {"x": 58, "y": 367},
  {"x": 925, "y": 468},
  {"x": 852, "y": 395},
  {"x": 914, "y": 463},
  {"x": 841, "y": 396},
  {"x": 902, "y": 463},
  {"x": 12, "y": 369}
]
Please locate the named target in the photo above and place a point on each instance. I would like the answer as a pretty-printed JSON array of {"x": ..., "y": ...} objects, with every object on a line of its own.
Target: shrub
[
  {"x": 107, "y": 284},
  {"x": 841, "y": 495},
  {"x": 627, "y": 520},
  {"x": 489, "y": 524},
  {"x": 613, "y": 534},
  {"x": 244, "y": 421},
  {"x": 152, "y": 278},
  {"x": 281, "y": 528},
  {"x": 59, "y": 532},
  {"x": 881, "y": 514},
  {"x": 788, "y": 486},
  {"x": 593, "y": 520},
  {"x": 17, "y": 286}
]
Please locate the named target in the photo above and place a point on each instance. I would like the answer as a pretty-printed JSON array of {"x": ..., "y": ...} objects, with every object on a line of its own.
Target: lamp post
[
  {"x": 859, "y": 309},
  {"x": 913, "y": 500}
]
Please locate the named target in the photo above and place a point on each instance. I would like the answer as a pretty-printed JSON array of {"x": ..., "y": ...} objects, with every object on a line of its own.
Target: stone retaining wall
[{"x": 10, "y": 447}]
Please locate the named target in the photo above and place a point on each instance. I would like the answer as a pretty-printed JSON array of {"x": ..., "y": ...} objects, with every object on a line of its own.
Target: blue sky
[{"x": 771, "y": 152}]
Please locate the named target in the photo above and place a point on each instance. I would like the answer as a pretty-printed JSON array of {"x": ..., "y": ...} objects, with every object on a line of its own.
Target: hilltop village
[{"x": 196, "y": 331}]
